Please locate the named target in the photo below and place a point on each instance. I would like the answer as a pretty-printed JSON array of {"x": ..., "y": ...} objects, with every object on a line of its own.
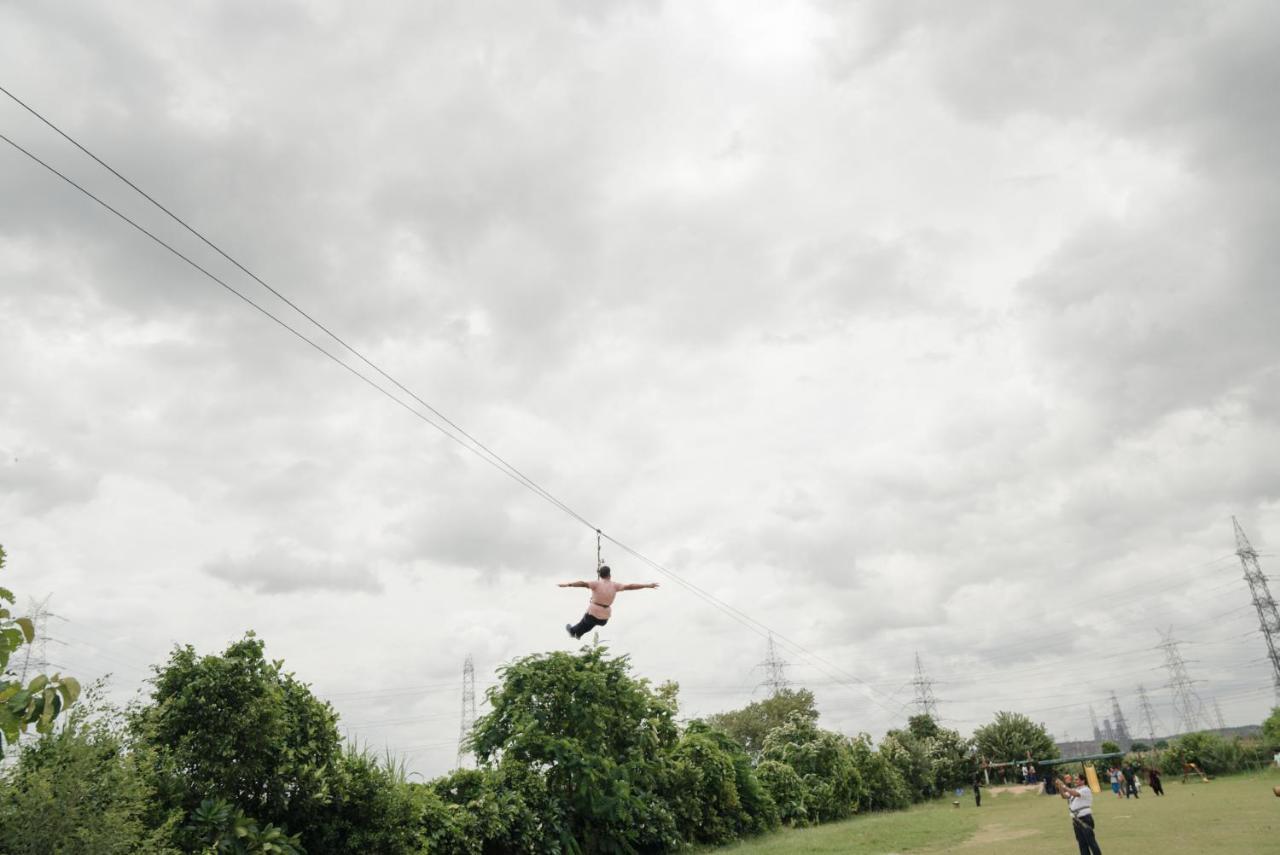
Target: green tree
[
  {"x": 825, "y": 763},
  {"x": 1139, "y": 747},
  {"x": 237, "y": 727},
  {"x": 1013, "y": 736},
  {"x": 909, "y": 755},
  {"x": 1109, "y": 747},
  {"x": 1271, "y": 730},
  {"x": 716, "y": 795},
  {"x": 38, "y": 702},
  {"x": 952, "y": 757},
  {"x": 884, "y": 787},
  {"x": 751, "y": 724},
  {"x": 786, "y": 790},
  {"x": 923, "y": 726},
  {"x": 79, "y": 790},
  {"x": 599, "y": 740}
]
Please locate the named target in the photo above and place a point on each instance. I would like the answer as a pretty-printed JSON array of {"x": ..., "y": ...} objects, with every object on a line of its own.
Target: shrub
[{"x": 77, "y": 790}]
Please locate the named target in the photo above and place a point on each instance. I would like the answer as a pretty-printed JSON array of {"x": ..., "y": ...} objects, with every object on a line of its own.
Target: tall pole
[
  {"x": 1148, "y": 714},
  {"x": 925, "y": 700},
  {"x": 468, "y": 718},
  {"x": 1268, "y": 614},
  {"x": 1120, "y": 727},
  {"x": 1186, "y": 702},
  {"x": 775, "y": 670}
]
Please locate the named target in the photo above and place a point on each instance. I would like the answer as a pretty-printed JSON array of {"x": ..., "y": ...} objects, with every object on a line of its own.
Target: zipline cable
[
  {"x": 511, "y": 470},
  {"x": 478, "y": 448}
]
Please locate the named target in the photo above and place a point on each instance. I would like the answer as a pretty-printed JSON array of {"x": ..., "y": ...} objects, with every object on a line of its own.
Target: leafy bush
[
  {"x": 218, "y": 827},
  {"x": 40, "y": 701},
  {"x": 1271, "y": 730},
  {"x": 78, "y": 790},
  {"x": 597, "y": 738},
  {"x": 238, "y": 728},
  {"x": 714, "y": 791},
  {"x": 1213, "y": 754},
  {"x": 825, "y": 763},
  {"x": 373, "y": 809},
  {"x": 910, "y": 758},
  {"x": 751, "y": 724},
  {"x": 883, "y": 785},
  {"x": 1012, "y": 736},
  {"x": 786, "y": 790}
]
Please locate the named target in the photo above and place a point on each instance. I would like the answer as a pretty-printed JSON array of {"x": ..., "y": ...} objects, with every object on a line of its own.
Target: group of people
[{"x": 1127, "y": 780}]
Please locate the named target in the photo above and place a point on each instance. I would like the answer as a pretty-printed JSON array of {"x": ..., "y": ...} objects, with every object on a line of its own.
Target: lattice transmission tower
[
  {"x": 1186, "y": 701},
  {"x": 1268, "y": 614},
  {"x": 775, "y": 670},
  {"x": 1149, "y": 718},
  {"x": 468, "y": 719},
  {"x": 925, "y": 700},
  {"x": 1093, "y": 720},
  {"x": 35, "y": 656},
  {"x": 1217, "y": 713},
  {"x": 1119, "y": 728}
]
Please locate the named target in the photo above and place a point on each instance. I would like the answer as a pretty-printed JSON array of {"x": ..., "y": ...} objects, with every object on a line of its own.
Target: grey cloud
[
  {"x": 283, "y": 568},
  {"x": 37, "y": 482}
]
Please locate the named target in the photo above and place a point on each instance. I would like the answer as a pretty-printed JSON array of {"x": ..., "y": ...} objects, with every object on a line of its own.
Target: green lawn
[{"x": 1229, "y": 816}]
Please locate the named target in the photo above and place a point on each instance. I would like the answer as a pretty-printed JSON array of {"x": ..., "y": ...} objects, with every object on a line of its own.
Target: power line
[{"x": 472, "y": 445}]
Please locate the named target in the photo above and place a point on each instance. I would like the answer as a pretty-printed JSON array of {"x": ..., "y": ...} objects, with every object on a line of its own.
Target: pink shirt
[{"x": 602, "y": 593}]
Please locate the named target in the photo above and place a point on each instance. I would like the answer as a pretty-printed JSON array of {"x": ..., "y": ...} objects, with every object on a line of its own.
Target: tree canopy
[
  {"x": 1014, "y": 736},
  {"x": 751, "y": 724}
]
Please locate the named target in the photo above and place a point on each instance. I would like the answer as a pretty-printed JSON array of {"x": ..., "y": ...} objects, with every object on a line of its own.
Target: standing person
[
  {"x": 1080, "y": 804},
  {"x": 1130, "y": 782},
  {"x": 977, "y": 789},
  {"x": 1153, "y": 778},
  {"x": 603, "y": 590},
  {"x": 1114, "y": 773}
]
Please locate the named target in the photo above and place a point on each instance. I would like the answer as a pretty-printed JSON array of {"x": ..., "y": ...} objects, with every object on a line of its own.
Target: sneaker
[{"x": 568, "y": 627}]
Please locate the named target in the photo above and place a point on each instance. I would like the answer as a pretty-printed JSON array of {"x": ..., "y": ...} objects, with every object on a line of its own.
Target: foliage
[
  {"x": 751, "y": 724},
  {"x": 597, "y": 738},
  {"x": 923, "y": 726},
  {"x": 491, "y": 810},
  {"x": 909, "y": 757},
  {"x": 786, "y": 790},
  {"x": 1013, "y": 736},
  {"x": 716, "y": 795},
  {"x": 372, "y": 809},
  {"x": 217, "y": 827},
  {"x": 1109, "y": 747},
  {"x": 1139, "y": 747},
  {"x": 43, "y": 698},
  {"x": 825, "y": 763},
  {"x": 884, "y": 787},
  {"x": 952, "y": 758},
  {"x": 238, "y": 728},
  {"x": 1213, "y": 754},
  {"x": 1271, "y": 730},
  {"x": 79, "y": 790}
]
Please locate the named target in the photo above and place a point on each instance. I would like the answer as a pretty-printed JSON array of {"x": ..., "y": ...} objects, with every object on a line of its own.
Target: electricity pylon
[
  {"x": 468, "y": 720},
  {"x": 1268, "y": 613},
  {"x": 925, "y": 701}
]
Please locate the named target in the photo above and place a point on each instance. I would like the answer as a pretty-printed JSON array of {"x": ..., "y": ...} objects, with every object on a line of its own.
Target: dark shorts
[{"x": 588, "y": 623}]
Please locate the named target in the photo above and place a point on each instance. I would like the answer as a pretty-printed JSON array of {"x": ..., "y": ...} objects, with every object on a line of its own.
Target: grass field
[{"x": 1228, "y": 816}]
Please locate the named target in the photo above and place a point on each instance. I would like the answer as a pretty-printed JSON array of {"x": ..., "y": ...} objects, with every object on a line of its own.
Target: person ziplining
[{"x": 600, "y": 608}]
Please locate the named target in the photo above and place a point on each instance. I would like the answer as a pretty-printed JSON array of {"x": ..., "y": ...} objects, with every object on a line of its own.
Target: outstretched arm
[
  {"x": 638, "y": 586},
  {"x": 573, "y": 585}
]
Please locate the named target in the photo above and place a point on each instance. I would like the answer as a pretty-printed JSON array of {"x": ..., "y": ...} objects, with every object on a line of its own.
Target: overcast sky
[{"x": 897, "y": 326}]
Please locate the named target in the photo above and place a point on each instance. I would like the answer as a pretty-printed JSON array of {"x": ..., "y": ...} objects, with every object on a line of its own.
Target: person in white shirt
[{"x": 1080, "y": 802}]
